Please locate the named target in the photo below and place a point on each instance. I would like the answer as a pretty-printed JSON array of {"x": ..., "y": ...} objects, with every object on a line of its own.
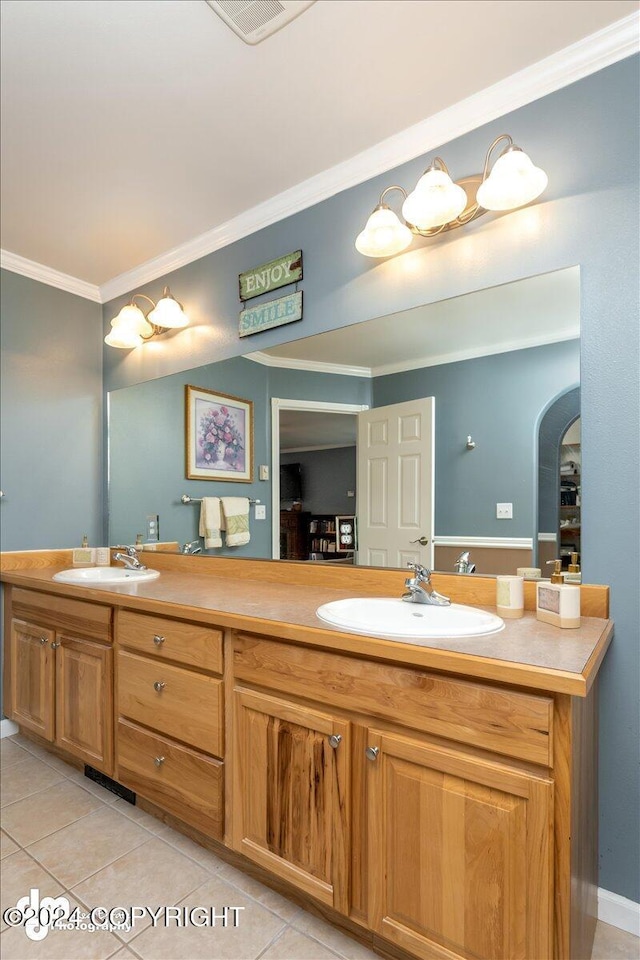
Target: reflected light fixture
[
  {"x": 131, "y": 328},
  {"x": 438, "y": 204}
]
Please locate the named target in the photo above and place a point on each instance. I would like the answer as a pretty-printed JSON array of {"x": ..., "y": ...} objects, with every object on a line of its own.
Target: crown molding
[
  {"x": 615, "y": 42},
  {"x": 38, "y": 271},
  {"x": 315, "y": 366},
  {"x": 601, "y": 49}
]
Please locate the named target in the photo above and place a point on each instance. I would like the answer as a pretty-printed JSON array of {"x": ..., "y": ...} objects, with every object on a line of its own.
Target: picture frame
[{"x": 218, "y": 436}]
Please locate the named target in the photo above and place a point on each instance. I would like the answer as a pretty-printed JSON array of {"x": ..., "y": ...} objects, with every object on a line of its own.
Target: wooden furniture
[
  {"x": 435, "y": 802},
  {"x": 294, "y": 535},
  {"x": 61, "y": 674},
  {"x": 331, "y": 537},
  {"x": 170, "y": 716}
]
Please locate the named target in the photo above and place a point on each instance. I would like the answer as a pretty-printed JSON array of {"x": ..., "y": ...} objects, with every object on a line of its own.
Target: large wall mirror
[{"x": 502, "y": 366}]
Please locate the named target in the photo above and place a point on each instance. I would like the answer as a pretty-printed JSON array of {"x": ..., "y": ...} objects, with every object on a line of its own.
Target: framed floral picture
[{"x": 218, "y": 436}]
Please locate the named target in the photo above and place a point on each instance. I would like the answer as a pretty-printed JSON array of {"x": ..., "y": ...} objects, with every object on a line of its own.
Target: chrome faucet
[
  {"x": 463, "y": 564},
  {"x": 192, "y": 547},
  {"x": 420, "y": 589},
  {"x": 130, "y": 558}
]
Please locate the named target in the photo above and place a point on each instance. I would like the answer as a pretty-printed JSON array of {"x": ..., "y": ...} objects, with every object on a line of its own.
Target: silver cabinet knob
[
  {"x": 335, "y": 740},
  {"x": 159, "y": 686},
  {"x": 44, "y": 640},
  {"x": 55, "y": 645},
  {"x": 158, "y": 640},
  {"x": 371, "y": 753},
  {"x": 159, "y": 761}
]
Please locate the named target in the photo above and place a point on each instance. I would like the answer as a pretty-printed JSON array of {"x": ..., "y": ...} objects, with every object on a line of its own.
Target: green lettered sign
[
  {"x": 274, "y": 313},
  {"x": 270, "y": 276}
]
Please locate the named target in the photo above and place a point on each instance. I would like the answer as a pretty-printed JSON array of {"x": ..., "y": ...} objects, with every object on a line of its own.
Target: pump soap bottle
[
  {"x": 558, "y": 602},
  {"x": 574, "y": 575}
]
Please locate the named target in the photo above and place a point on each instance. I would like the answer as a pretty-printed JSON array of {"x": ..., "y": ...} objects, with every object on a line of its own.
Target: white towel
[
  {"x": 210, "y": 522},
  {"x": 235, "y": 520}
]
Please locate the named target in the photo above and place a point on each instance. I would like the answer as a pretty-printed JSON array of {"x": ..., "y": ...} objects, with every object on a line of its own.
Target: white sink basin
[
  {"x": 395, "y": 619},
  {"x": 96, "y": 576}
]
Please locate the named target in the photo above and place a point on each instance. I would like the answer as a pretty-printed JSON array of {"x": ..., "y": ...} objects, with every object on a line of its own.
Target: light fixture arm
[{"x": 510, "y": 144}]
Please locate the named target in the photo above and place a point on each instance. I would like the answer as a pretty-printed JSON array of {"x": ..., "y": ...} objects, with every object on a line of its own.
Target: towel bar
[{"x": 186, "y": 499}]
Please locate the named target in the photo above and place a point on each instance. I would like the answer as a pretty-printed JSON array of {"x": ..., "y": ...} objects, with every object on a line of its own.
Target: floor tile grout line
[
  {"x": 46, "y": 835},
  {"x": 277, "y": 936}
]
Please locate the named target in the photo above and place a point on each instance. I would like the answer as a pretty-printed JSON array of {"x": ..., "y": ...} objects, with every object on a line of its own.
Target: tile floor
[{"x": 69, "y": 837}]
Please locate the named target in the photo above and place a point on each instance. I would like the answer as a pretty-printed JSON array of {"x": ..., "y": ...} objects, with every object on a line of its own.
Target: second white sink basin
[
  {"x": 395, "y": 619},
  {"x": 95, "y": 576}
]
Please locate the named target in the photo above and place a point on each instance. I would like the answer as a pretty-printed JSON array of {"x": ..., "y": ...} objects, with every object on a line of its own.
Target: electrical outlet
[
  {"x": 153, "y": 527},
  {"x": 261, "y": 511},
  {"x": 504, "y": 511}
]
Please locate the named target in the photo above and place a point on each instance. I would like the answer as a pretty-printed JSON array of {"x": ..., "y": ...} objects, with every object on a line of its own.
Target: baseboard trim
[
  {"x": 618, "y": 911},
  {"x": 7, "y": 728}
]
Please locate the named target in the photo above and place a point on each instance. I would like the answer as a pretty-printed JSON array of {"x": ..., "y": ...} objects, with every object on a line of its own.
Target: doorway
[{"x": 316, "y": 417}]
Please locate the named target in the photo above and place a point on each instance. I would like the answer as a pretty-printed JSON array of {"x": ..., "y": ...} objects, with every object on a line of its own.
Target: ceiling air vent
[{"x": 255, "y": 20}]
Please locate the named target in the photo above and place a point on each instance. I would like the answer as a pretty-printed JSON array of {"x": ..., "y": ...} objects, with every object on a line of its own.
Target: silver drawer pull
[
  {"x": 158, "y": 640},
  {"x": 371, "y": 753},
  {"x": 159, "y": 761},
  {"x": 159, "y": 686},
  {"x": 44, "y": 640},
  {"x": 335, "y": 741},
  {"x": 55, "y": 645}
]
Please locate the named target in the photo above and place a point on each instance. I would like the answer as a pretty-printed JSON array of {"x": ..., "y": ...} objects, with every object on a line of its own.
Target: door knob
[
  {"x": 371, "y": 753},
  {"x": 335, "y": 740},
  {"x": 158, "y": 686},
  {"x": 421, "y": 540}
]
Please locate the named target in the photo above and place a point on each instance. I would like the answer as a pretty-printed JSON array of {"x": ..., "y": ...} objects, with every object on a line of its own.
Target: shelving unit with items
[{"x": 332, "y": 537}]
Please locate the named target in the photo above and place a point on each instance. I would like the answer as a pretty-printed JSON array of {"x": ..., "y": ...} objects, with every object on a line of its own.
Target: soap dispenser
[
  {"x": 574, "y": 575},
  {"x": 558, "y": 602}
]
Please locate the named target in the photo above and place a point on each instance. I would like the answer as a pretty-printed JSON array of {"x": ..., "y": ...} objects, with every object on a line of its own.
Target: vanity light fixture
[
  {"x": 131, "y": 328},
  {"x": 437, "y": 203}
]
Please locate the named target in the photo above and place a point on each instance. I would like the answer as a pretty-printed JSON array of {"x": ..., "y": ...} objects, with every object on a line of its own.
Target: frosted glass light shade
[
  {"x": 435, "y": 201},
  {"x": 513, "y": 181},
  {"x": 383, "y": 234},
  {"x": 123, "y": 337},
  {"x": 168, "y": 312}
]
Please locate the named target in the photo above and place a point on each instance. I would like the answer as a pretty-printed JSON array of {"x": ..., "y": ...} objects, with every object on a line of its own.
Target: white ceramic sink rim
[
  {"x": 395, "y": 619},
  {"x": 97, "y": 576}
]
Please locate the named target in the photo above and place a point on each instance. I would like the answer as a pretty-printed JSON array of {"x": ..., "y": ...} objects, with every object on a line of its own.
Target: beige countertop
[{"x": 527, "y": 652}]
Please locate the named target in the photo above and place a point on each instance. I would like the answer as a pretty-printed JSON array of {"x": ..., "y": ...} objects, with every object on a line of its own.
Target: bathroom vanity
[{"x": 434, "y": 801}]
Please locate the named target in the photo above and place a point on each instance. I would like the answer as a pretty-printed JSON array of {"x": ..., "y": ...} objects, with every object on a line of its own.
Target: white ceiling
[{"x": 132, "y": 127}]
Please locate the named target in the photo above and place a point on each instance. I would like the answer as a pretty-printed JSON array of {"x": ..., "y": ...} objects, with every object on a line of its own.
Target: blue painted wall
[
  {"x": 498, "y": 401},
  {"x": 51, "y": 410},
  {"x": 327, "y": 476},
  {"x": 586, "y": 137}
]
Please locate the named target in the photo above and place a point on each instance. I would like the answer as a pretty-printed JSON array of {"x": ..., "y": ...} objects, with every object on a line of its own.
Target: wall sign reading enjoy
[{"x": 270, "y": 276}]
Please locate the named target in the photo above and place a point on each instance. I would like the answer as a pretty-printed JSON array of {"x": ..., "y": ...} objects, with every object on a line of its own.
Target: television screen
[{"x": 290, "y": 481}]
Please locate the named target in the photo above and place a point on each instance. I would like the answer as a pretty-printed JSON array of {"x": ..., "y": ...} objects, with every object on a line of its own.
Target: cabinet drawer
[
  {"x": 181, "y": 703},
  {"x": 176, "y": 778},
  {"x": 74, "y": 616},
  {"x": 492, "y": 718},
  {"x": 189, "y": 643}
]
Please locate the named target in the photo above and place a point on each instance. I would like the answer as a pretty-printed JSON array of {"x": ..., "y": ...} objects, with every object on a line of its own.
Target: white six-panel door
[{"x": 395, "y": 481}]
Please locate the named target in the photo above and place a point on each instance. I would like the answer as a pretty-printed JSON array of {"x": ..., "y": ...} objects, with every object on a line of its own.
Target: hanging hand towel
[
  {"x": 210, "y": 522},
  {"x": 235, "y": 520}
]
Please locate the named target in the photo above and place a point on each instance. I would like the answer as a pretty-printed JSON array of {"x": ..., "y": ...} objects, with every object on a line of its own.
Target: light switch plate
[
  {"x": 261, "y": 511},
  {"x": 263, "y": 471},
  {"x": 504, "y": 511}
]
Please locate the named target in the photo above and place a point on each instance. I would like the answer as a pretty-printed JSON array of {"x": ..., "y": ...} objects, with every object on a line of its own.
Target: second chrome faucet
[{"x": 420, "y": 589}]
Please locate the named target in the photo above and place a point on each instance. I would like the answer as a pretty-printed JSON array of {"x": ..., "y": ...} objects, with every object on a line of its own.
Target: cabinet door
[
  {"x": 84, "y": 700},
  {"x": 291, "y": 793},
  {"x": 460, "y": 853},
  {"x": 32, "y": 677}
]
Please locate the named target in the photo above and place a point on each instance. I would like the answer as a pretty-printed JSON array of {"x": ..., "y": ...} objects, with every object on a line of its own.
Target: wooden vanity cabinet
[
  {"x": 170, "y": 716},
  {"x": 291, "y": 796},
  {"x": 61, "y": 678},
  {"x": 440, "y": 796}
]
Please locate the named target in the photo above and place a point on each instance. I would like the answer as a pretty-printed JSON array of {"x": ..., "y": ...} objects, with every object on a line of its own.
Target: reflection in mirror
[{"x": 494, "y": 361}]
